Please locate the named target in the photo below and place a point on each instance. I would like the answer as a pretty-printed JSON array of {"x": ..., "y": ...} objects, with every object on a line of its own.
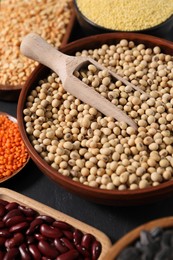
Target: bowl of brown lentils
[{"x": 92, "y": 155}]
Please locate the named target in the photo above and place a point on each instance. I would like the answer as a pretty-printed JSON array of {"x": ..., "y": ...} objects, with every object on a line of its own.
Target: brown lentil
[{"x": 101, "y": 152}]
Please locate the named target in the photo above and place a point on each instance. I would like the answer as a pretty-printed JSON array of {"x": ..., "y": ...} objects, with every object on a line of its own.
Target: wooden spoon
[
  {"x": 36, "y": 48},
  {"x": 13, "y": 119}
]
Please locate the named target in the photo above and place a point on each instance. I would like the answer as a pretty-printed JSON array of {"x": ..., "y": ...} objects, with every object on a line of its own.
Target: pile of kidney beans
[
  {"x": 25, "y": 234},
  {"x": 156, "y": 244}
]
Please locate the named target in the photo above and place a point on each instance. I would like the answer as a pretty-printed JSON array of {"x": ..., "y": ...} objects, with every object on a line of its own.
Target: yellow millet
[{"x": 131, "y": 15}]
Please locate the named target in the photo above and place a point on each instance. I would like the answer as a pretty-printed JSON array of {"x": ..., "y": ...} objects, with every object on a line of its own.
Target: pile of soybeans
[{"x": 95, "y": 150}]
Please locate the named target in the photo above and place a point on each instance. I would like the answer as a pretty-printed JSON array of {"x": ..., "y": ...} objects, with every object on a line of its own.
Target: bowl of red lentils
[
  {"x": 126, "y": 16},
  {"x": 13, "y": 153},
  {"x": 151, "y": 240},
  {"x": 92, "y": 155}
]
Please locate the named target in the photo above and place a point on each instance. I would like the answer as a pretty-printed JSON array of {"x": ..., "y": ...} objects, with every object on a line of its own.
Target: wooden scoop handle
[{"x": 36, "y": 48}]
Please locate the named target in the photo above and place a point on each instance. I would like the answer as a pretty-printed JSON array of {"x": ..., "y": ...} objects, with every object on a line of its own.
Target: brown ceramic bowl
[
  {"x": 109, "y": 197},
  {"x": 163, "y": 30},
  {"x": 133, "y": 235}
]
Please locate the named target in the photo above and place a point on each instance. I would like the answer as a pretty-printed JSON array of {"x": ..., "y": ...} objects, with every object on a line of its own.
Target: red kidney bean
[
  {"x": 12, "y": 213},
  {"x": 34, "y": 252},
  {"x": 5, "y": 233},
  {"x": 68, "y": 234},
  {"x": 19, "y": 227},
  {"x": 62, "y": 225},
  {"x": 28, "y": 211},
  {"x": 61, "y": 247},
  {"x": 30, "y": 239},
  {"x": 30, "y": 219},
  {"x": 45, "y": 218},
  {"x": 50, "y": 231},
  {"x": 2, "y": 210},
  {"x": 15, "y": 241},
  {"x": 2, "y": 254},
  {"x": 83, "y": 251},
  {"x": 77, "y": 236},
  {"x": 3, "y": 202},
  {"x": 24, "y": 252},
  {"x": 14, "y": 220},
  {"x": 47, "y": 250},
  {"x": 67, "y": 243},
  {"x": 39, "y": 237},
  {"x": 2, "y": 224},
  {"x": 70, "y": 255},
  {"x": 2, "y": 241},
  {"x": 34, "y": 225},
  {"x": 87, "y": 241},
  {"x": 11, "y": 254},
  {"x": 11, "y": 205},
  {"x": 96, "y": 249}
]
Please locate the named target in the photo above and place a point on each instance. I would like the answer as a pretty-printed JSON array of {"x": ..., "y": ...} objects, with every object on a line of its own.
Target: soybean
[{"x": 98, "y": 146}]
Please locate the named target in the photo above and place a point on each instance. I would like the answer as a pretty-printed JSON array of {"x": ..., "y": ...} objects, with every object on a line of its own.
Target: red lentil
[{"x": 13, "y": 153}]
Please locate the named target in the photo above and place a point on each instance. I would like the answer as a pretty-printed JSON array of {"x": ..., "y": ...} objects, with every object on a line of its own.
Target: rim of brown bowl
[
  {"x": 9, "y": 92},
  {"x": 130, "y": 237},
  {"x": 100, "y": 196}
]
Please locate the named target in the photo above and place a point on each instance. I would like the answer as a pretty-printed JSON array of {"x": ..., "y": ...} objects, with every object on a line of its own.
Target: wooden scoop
[{"x": 36, "y": 48}]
